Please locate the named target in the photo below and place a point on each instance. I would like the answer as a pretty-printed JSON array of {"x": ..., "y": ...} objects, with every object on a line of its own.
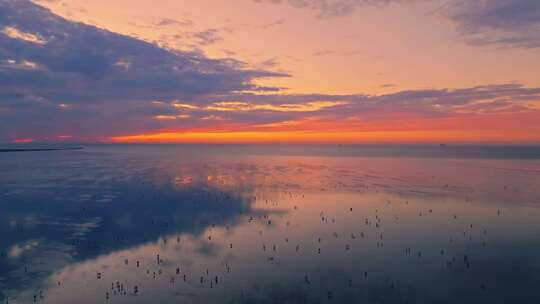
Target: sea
[{"x": 185, "y": 223}]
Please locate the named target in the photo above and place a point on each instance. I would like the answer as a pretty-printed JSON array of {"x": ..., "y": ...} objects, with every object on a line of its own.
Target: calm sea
[{"x": 270, "y": 224}]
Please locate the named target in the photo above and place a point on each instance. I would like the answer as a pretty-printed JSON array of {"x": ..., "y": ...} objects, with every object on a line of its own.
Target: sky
[{"x": 278, "y": 71}]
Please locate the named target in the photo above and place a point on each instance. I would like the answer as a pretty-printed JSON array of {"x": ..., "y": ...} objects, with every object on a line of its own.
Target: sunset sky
[{"x": 299, "y": 71}]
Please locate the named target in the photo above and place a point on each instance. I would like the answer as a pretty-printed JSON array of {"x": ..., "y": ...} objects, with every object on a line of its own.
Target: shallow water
[{"x": 270, "y": 224}]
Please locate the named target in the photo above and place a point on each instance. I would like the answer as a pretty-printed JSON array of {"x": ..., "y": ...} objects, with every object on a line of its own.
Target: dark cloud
[
  {"x": 206, "y": 37},
  {"x": 253, "y": 109},
  {"x": 331, "y": 8},
  {"x": 174, "y": 22},
  {"x": 269, "y": 63},
  {"x": 514, "y": 23},
  {"x": 446, "y": 102},
  {"x": 192, "y": 40},
  {"x": 54, "y": 69}
]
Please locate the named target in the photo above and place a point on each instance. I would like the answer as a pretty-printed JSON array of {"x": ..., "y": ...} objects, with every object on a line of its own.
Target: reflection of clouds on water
[
  {"x": 16, "y": 250},
  {"x": 89, "y": 224},
  {"x": 255, "y": 230}
]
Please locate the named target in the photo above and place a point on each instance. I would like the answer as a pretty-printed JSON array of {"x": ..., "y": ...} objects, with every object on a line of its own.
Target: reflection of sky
[{"x": 389, "y": 229}]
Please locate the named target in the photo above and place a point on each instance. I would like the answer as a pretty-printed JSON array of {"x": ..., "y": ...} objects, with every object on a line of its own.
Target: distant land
[{"x": 38, "y": 149}]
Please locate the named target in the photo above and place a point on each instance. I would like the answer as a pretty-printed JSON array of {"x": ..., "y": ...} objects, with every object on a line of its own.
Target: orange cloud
[
  {"x": 15, "y": 33},
  {"x": 179, "y": 105},
  {"x": 240, "y": 106},
  {"x": 292, "y": 107},
  {"x": 172, "y": 117}
]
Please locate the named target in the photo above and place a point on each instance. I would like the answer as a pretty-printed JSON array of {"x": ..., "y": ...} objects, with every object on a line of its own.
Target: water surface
[{"x": 270, "y": 224}]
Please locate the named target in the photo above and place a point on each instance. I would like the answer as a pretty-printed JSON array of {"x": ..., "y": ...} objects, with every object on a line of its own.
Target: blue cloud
[
  {"x": 251, "y": 109},
  {"x": 514, "y": 23},
  {"x": 47, "y": 61},
  {"x": 331, "y": 8},
  {"x": 510, "y": 23}
]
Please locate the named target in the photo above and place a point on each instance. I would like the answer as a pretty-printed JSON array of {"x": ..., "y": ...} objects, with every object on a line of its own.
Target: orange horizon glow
[
  {"x": 487, "y": 128},
  {"x": 333, "y": 137}
]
